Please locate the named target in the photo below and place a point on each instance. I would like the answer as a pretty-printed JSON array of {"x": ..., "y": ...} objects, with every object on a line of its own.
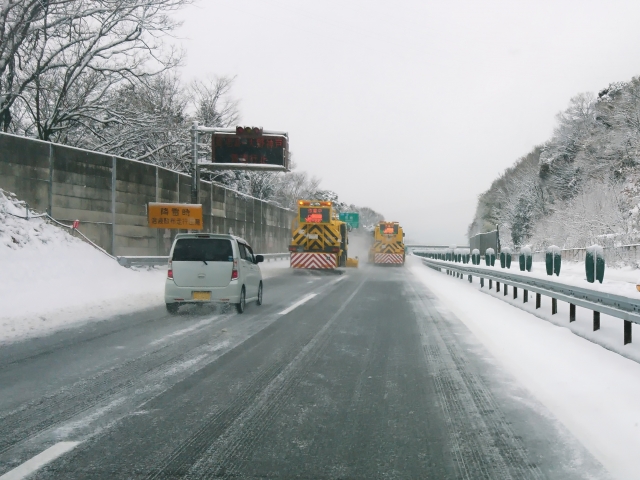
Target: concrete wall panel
[{"x": 78, "y": 184}]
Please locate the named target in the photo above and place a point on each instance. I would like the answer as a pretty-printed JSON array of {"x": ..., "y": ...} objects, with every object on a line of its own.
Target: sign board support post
[{"x": 195, "y": 177}]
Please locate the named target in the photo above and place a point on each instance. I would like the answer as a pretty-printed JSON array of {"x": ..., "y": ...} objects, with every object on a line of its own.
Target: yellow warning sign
[{"x": 185, "y": 216}]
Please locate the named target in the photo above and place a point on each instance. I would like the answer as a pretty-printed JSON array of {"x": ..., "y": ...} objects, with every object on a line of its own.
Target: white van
[{"x": 212, "y": 268}]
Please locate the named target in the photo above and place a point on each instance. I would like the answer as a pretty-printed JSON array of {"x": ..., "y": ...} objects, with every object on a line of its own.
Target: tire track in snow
[
  {"x": 484, "y": 445},
  {"x": 29, "y": 420},
  {"x": 223, "y": 443}
]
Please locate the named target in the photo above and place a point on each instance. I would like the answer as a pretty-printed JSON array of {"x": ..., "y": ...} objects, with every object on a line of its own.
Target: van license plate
[{"x": 202, "y": 295}]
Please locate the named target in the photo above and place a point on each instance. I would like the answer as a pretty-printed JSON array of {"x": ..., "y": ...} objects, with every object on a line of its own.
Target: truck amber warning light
[{"x": 315, "y": 215}]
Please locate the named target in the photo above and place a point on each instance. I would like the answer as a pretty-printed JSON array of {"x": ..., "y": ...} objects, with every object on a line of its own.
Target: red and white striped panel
[
  {"x": 388, "y": 258},
  {"x": 313, "y": 260}
]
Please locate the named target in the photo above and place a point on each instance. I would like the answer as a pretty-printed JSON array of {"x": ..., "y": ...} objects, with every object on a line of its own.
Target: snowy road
[{"x": 372, "y": 376}]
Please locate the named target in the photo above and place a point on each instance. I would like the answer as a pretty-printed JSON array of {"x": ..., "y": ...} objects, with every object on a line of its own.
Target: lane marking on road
[
  {"x": 275, "y": 391},
  {"x": 39, "y": 461},
  {"x": 341, "y": 278},
  {"x": 187, "y": 330},
  {"x": 295, "y": 305}
]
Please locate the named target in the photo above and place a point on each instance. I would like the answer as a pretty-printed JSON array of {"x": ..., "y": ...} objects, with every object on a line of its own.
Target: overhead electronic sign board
[{"x": 250, "y": 146}]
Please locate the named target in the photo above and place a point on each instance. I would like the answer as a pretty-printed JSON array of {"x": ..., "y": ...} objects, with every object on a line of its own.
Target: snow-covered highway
[{"x": 377, "y": 373}]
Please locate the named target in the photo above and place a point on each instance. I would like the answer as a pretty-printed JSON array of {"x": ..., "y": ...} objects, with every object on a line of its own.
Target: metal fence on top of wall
[{"x": 109, "y": 195}]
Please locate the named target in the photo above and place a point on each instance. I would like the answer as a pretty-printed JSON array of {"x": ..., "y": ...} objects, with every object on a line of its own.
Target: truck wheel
[
  {"x": 172, "y": 308},
  {"x": 240, "y": 306}
]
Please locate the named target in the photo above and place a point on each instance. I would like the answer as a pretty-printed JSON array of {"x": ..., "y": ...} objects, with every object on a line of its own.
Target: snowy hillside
[
  {"x": 53, "y": 279},
  {"x": 581, "y": 187}
]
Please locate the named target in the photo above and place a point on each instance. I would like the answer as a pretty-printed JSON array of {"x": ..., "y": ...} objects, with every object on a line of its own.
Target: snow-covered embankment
[{"x": 52, "y": 280}]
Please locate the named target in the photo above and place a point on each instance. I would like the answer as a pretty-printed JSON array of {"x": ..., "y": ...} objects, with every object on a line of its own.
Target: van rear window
[{"x": 198, "y": 249}]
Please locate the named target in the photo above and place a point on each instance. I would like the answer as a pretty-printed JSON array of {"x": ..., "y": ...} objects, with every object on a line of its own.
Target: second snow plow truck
[
  {"x": 388, "y": 244},
  {"x": 319, "y": 238}
]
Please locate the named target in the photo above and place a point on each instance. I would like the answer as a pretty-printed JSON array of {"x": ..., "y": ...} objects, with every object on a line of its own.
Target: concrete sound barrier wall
[{"x": 109, "y": 196}]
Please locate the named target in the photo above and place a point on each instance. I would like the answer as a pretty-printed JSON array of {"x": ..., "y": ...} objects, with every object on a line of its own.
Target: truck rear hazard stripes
[
  {"x": 313, "y": 260},
  {"x": 388, "y": 258}
]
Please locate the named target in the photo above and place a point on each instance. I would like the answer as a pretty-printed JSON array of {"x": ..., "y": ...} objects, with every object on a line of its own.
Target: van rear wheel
[
  {"x": 172, "y": 308},
  {"x": 240, "y": 305},
  {"x": 259, "y": 301}
]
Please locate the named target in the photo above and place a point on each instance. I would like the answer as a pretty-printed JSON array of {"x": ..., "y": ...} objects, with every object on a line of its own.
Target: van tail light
[
  {"x": 234, "y": 272},
  {"x": 170, "y": 271}
]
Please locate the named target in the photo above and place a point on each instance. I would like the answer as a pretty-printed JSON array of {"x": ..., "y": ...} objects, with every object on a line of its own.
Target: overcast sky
[{"x": 411, "y": 107}]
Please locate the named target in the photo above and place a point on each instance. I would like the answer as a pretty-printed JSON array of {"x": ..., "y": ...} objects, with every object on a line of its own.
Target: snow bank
[
  {"x": 53, "y": 280},
  {"x": 619, "y": 281},
  {"x": 275, "y": 268},
  {"x": 594, "y": 392}
]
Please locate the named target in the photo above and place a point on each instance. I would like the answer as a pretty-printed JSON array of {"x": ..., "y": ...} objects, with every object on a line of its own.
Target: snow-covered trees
[
  {"x": 99, "y": 74},
  {"x": 580, "y": 187},
  {"x": 61, "y": 58}
]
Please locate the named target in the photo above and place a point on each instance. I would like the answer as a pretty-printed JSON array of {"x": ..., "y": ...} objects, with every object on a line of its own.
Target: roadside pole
[{"x": 195, "y": 177}]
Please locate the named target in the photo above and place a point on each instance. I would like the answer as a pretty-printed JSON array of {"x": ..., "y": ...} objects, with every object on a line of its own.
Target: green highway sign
[{"x": 350, "y": 218}]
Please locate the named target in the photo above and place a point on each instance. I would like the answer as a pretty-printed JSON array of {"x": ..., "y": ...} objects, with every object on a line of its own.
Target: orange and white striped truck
[
  {"x": 388, "y": 244},
  {"x": 319, "y": 238}
]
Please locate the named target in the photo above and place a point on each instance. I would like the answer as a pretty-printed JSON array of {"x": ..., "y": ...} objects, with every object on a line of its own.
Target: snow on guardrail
[{"x": 622, "y": 307}]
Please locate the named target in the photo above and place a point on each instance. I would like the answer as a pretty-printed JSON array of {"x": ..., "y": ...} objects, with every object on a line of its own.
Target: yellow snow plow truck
[
  {"x": 319, "y": 238},
  {"x": 388, "y": 244}
]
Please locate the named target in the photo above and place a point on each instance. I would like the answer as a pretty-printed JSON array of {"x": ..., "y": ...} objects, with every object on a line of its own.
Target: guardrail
[
  {"x": 142, "y": 261},
  {"x": 625, "y": 308},
  {"x": 139, "y": 261}
]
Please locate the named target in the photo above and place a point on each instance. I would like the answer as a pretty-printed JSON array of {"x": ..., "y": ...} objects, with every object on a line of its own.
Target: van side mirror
[{"x": 259, "y": 258}]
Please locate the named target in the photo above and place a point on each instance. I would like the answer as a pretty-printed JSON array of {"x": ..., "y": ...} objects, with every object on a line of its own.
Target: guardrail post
[
  {"x": 506, "y": 289},
  {"x": 497, "y": 286},
  {"x": 490, "y": 284},
  {"x": 481, "y": 282},
  {"x": 515, "y": 292},
  {"x": 538, "y": 300},
  {"x": 627, "y": 332},
  {"x": 525, "y": 296},
  {"x": 470, "y": 279},
  {"x": 554, "y": 306},
  {"x": 596, "y": 321},
  {"x": 572, "y": 313}
]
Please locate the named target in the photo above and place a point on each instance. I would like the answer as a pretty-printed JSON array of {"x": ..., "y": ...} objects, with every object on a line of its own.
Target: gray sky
[{"x": 411, "y": 107}]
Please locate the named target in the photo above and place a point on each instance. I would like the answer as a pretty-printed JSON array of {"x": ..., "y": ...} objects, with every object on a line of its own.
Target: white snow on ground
[
  {"x": 275, "y": 268},
  {"x": 610, "y": 334},
  {"x": 52, "y": 280},
  {"x": 593, "y": 391}
]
